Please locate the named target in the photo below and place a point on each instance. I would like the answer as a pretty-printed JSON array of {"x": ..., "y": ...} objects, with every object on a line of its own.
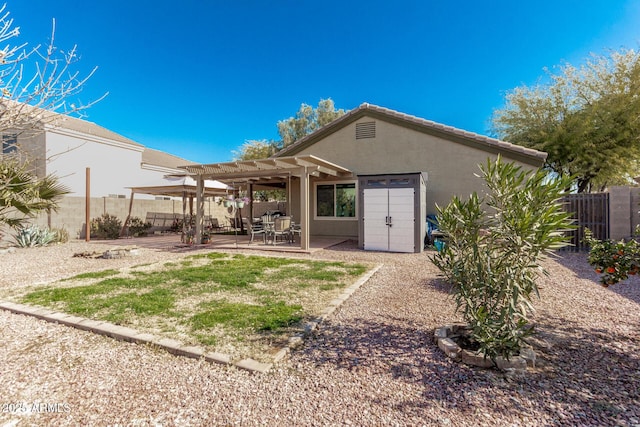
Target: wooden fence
[{"x": 590, "y": 210}]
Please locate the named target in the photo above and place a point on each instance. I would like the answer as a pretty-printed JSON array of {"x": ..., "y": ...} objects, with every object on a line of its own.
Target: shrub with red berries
[{"x": 615, "y": 261}]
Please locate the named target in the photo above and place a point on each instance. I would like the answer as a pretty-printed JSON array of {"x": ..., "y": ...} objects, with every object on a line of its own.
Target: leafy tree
[
  {"x": 306, "y": 121},
  {"x": 492, "y": 257},
  {"x": 23, "y": 195},
  {"x": 256, "y": 149},
  {"x": 586, "y": 118}
]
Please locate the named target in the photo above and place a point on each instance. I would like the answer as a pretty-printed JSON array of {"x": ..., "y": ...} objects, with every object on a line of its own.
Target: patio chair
[
  {"x": 281, "y": 227},
  {"x": 295, "y": 229},
  {"x": 233, "y": 223},
  {"x": 215, "y": 225},
  {"x": 254, "y": 229}
]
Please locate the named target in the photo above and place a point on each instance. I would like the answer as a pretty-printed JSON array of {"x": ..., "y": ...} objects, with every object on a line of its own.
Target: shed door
[
  {"x": 401, "y": 220},
  {"x": 389, "y": 219}
]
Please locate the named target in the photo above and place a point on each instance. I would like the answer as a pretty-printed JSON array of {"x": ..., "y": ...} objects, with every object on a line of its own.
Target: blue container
[{"x": 439, "y": 244}]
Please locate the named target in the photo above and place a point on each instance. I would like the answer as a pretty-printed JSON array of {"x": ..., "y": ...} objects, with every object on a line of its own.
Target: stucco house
[
  {"x": 67, "y": 146},
  {"x": 71, "y": 145},
  {"x": 373, "y": 175}
]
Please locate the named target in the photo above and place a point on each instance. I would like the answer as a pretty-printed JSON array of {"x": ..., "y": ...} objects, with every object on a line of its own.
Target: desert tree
[
  {"x": 587, "y": 118},
  {"x": 256, "y": 149},
  {"x": 306, "y": 120}
]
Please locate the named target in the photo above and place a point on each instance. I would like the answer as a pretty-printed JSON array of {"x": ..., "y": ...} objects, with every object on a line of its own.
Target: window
[
  {"x": 399, "y": 181},
  {"x": 336, "y": 200},
  {"x": 9, "y": 143}
]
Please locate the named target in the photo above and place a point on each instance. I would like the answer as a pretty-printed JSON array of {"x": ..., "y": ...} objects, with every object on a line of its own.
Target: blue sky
[{"x": 197, "y": 78}]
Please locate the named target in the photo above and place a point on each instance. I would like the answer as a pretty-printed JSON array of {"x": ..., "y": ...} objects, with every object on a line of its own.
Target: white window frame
[{"x": 333, "y": 218}]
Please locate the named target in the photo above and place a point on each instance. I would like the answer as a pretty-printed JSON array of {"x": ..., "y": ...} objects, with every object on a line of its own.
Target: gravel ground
[{"x": 373, "y": 363}]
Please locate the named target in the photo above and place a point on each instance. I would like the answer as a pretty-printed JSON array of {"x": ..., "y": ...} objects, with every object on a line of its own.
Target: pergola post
[
  {"x": 199, "y": 208},
  {"x": 304, "y": 210},
  {"x": 250, "y": 191}
]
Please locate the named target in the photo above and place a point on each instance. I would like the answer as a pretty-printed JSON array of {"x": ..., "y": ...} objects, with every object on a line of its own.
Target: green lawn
[{"x": 245, "y": 306}]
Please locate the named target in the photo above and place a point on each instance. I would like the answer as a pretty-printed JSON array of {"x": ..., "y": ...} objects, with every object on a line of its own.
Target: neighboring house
[
  {"x": 115, "y": 162},
  {"x": 374, "y": 174},
  {"x": 69, "y": 146}
]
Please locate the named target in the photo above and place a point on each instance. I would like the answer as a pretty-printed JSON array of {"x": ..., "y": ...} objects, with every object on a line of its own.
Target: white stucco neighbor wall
[{"x": 114, "y": 165}]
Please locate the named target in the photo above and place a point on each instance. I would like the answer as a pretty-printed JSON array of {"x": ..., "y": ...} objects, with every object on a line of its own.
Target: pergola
[
  {"x": 177, "y": 186},
  {"x": 267, "y": 171}
]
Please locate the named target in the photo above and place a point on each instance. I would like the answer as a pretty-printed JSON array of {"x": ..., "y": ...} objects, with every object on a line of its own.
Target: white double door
[{"x": 389, "y": 219}]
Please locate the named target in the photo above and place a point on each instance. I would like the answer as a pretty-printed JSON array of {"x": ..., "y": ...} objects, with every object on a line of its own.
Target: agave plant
[{"x": 28, "y": 237}]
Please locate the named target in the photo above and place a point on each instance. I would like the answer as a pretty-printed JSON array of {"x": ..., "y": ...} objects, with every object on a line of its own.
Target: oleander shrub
[
  {"x": 106, "y": 227},
  {"x": 494, "y": 245}
]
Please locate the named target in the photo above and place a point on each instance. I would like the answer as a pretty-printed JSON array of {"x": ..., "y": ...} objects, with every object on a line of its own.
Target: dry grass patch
[{"x": 245, "y": 306}]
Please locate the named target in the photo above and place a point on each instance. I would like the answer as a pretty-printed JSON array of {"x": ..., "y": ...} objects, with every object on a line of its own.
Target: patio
[{"x": 172, "y": 243}]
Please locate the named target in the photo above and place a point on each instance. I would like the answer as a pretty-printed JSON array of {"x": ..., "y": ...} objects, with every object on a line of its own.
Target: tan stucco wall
[{"x": 450, "y": 166}]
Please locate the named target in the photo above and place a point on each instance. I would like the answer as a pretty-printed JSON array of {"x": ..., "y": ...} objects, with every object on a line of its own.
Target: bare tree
[{"x": 36, "y": 83}]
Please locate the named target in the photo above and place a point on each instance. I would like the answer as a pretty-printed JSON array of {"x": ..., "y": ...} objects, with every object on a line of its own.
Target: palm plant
[{"x": 23, "y": 195}]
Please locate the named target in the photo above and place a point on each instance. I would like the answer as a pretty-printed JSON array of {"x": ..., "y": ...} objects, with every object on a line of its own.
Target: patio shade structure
[
  {"x": 177, "y": 186},
  {"x": 264, "y": 171}
]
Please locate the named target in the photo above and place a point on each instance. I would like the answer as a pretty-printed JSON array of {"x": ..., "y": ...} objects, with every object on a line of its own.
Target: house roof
[
  {"x": 421, "y": 125},
  {"x": 149, "y": 155},
  {"x": 160, "y": 158},
  {"x": 90, "y": 128}
]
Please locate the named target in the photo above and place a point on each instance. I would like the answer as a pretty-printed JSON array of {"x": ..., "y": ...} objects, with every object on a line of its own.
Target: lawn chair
[
  {"x": 254, "y": 229},
  {"x": 295, "y": 229},
  {"x": 215, "y": 225},
  {"x": 281, "y": 227}
]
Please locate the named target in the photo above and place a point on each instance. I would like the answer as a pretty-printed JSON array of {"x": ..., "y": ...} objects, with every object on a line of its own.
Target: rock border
[
  {"x": 517, "y": 364},
  {"x": 177, "y": 348}
]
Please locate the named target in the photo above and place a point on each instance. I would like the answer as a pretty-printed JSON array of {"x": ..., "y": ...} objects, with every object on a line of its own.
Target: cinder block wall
[
  {"x": 71, "y": 214},
  {"x": 635, "y": 207},
  {"x": 624, "y": 204}
]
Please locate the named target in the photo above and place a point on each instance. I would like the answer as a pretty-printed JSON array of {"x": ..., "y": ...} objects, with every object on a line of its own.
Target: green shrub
[
  {"x": 33, "y": 235},
  {"x": 492, "y": 257},
  {"x": 177, "y": 224},
  {"x": 137, "y": 227},
  {"x": 615, "y": 261},
  {"x": 106, "y": 227}
]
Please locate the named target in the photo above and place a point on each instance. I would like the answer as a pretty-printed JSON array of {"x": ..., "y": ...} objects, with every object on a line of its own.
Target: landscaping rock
[
  {"x": 470, "y": 358},
  {"x": 8, "y": 250},
  {"x": 120, "y": 253},
  {"x": 450, "y": 348}
]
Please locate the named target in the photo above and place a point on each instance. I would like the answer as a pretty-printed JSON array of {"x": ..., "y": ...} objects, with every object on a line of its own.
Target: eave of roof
[
  {"x": 163, "y": 159},
  {"x": 486, "y": 143},
  {"x": 89, "y": 128}
]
